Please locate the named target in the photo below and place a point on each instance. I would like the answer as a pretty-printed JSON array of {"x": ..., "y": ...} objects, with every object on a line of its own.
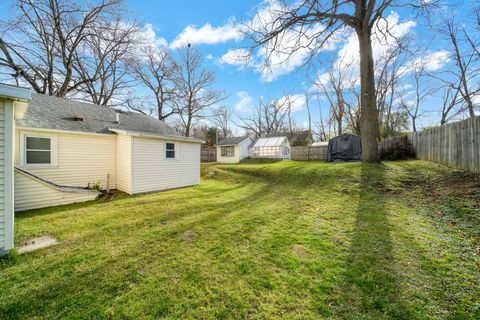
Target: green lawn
[{"x": 287, "y": 240}]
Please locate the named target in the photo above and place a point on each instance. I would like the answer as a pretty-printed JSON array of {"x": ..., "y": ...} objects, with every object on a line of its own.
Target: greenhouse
[{"x": 272, "y": 148}]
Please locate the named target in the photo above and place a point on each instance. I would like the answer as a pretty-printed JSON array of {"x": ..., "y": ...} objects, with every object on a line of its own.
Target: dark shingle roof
[
  {"x": 231, "y": 141},
  {"x": 47, "y": 112}
]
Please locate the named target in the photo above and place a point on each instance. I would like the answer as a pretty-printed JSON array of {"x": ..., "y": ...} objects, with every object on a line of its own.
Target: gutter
[{"x": 155, "y": 136}]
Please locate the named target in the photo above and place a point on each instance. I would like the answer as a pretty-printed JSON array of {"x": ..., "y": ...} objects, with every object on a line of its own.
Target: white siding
[
  {"x": 31, "y": 194},
  {"x": 244, "y": 148},
  {"x": 124, "y": 163},
  {"x": 3, "y": 213},
  {"x": 151, "y": 171},
  {"x": 82, "y": 159}
]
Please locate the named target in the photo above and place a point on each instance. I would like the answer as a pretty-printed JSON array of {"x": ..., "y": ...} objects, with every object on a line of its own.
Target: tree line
[{"x": 88, "y": 51}]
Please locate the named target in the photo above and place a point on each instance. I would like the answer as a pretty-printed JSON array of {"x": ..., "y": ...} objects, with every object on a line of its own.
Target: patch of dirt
[
  {"x": 457, "y": 184},
  {"x": 299, "y": 250},
  {"x": 190, "y": 236}
]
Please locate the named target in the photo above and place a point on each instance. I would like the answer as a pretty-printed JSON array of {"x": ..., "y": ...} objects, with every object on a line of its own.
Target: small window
[
  {"x": 170, "y": 150},
  {"x": 228, "y": 151},
  {"x": 38, "y": 150}
]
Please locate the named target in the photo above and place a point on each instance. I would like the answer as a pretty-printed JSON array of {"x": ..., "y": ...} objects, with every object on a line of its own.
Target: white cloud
[
  {"x": 149, "y": 37},
  {"x": 382, "y": 42},
  {"x": 245, "y": 101},
  {"x": 209, "y": 56},
  {"x": 298, "y": 101},
  {"x": 431, "y": 61},
  {"x": 289, "y": 50},
  {"x": 207, "y": 34},
  {"x": 236, "y": 57}
]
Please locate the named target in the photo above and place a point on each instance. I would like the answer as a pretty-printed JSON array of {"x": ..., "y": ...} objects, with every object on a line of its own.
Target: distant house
[
  {"x": 62, "y": 147},
  {"x": 233, "y": 150},
  {"x": 272, "y": 148}
]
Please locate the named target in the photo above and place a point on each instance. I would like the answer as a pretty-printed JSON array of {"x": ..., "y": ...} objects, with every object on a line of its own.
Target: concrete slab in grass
[{"x": 37, "y": 243}]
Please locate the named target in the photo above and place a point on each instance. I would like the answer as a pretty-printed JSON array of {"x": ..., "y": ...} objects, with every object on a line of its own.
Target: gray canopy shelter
[{"x": 346, "y": 147}]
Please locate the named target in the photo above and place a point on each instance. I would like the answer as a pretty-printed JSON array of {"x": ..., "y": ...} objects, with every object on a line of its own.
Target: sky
[
  {"x": 208, "y": 26},
  {"x": 214, "y": 27}
]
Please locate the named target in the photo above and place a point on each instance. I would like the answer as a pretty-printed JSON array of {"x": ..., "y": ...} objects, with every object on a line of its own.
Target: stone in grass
[
  {"x": 37, "y": 243},
  {"x": 189, "y": 236}
]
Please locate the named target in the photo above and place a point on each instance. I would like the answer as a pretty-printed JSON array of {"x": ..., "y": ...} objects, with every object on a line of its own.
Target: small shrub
[
  {"x": 95, "y": 186},
  {"x": 398, "y": 148}
]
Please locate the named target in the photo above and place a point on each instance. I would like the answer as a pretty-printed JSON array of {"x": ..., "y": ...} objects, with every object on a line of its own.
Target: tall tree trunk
[{"x": 368, "y": 106}]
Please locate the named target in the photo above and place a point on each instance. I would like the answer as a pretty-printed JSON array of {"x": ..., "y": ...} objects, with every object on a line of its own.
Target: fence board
[
  {"x": 456, "y": 144},
  {"x": 208, "y": 154},
  {"x": 317, "y": 153}
]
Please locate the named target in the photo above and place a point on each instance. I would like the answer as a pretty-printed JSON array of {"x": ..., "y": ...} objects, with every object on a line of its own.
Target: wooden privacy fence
[
  {"x": 318, "y": 153},
  {"x": 456, "y": 144},
  {"x": 208, "y": 154}
]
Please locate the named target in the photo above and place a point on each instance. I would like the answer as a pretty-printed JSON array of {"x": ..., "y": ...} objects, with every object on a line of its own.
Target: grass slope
[{"x": 273, "y": 240}]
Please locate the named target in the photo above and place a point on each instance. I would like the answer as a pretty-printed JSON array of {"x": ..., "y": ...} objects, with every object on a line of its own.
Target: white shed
[
  {"x": 273, "y": 148},
  {"x": 233, "y": 149}
]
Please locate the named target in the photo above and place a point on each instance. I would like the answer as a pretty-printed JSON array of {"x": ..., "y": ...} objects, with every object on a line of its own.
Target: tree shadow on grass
[{"x": 371, "y": 282}]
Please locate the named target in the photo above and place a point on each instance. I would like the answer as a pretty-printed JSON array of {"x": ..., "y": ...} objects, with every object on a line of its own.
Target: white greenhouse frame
[{"x": 271, "y": 148}]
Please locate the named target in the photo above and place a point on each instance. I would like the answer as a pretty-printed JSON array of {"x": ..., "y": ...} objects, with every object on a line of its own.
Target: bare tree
[
  {"x": 106, "y": 63},
  {"x": 322, "y": 133},
  {"x": 465, "y": 71},
  {"x": 309, "y": 114},
  {"x": 313, "y": 23},
  {"x": 222, "y": 118},
  {"x": 268, "y": 118},
  {"x": 390, "y": 68},
  {"x": 41, "y": 44},
  {"x": 450, "y": 103},
  {"x": 157, "y": 71},
  {"x": 421, "y": 90},
  {"x": 331, "y": 86},
  {"x": 193, "y": 83}
]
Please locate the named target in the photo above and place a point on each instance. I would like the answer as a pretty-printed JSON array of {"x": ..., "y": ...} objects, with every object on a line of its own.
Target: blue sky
[
  {"x": 245, "y": 85},
  {"x": 213, "y": 27}
]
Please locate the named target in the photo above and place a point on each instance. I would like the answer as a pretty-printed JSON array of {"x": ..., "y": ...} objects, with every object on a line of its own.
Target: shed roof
[
  {"x": 270, "y": 142},
  {"x": 232, "y": 140},
  {"x": 320, "y": 143},
  {"x": 47, "y": 112}
]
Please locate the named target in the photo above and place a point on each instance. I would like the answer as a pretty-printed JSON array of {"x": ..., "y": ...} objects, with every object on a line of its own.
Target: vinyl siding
[
  {"x": 244, "y": 149},
  {"x": 3, "y": 213},
  {"x": 31, "y": 194},
  {"x": 152, "y": 172},
  {"x": 82, "y": 159},
  {"x": 124, "y": 163}
]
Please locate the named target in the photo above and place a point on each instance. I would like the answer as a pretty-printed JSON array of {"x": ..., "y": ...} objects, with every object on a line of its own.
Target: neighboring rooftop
[
  {"x": 47, "y": 112},
  {"x": 232, "y": 140},
  {"x": 320, "y": 143}
]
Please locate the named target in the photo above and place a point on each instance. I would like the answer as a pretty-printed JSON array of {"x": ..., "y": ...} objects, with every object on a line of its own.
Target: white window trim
[
  {"x": 233, "y": 151},
  {"x": 53, "y": 150},
  {"x": 175, "y": 144}
]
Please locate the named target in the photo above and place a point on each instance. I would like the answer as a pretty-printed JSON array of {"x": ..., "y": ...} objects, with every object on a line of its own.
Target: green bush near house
[{"x": 287, "y": 239}]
